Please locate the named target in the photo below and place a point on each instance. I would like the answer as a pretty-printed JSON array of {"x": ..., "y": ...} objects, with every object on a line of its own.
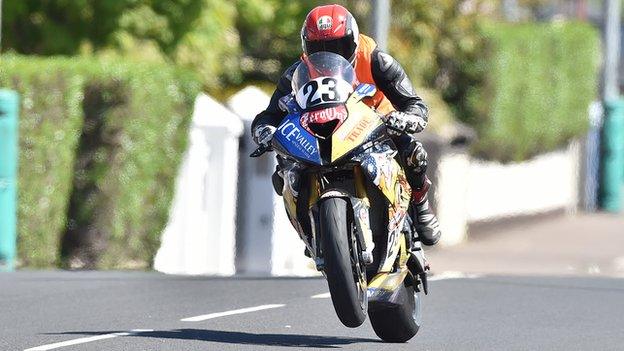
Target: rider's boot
[
  {"x": 425, "y": 221},
  {"x": 414, "y": 158}
]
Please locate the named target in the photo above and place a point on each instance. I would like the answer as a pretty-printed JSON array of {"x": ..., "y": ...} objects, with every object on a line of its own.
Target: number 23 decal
[{"x": 320, "y": 90}]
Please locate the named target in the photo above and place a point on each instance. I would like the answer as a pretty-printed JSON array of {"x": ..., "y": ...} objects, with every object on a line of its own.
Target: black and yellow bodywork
[{"x": 360, "y": 166}]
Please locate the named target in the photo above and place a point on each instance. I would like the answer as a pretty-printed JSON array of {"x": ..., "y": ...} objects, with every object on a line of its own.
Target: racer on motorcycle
[{"x": 332, "y": 28}]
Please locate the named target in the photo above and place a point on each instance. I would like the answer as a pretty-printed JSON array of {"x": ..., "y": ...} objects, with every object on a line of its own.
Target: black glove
[
  {"x": 404, "y": 122},
  {"x": 263, "y": 134}
]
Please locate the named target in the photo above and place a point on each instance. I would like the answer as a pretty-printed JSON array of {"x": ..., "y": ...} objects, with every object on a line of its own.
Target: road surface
[{"x": 70, "y": 311}]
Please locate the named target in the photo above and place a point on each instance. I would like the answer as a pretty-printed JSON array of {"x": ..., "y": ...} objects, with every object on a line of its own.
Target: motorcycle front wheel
[{"x": 342, "y": 267}]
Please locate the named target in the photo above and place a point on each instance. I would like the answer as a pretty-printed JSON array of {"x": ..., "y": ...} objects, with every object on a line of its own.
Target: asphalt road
[{"x": 100, "y": 310}]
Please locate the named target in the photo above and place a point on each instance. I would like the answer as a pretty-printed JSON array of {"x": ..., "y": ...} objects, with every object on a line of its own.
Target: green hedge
[
  {"x": 50, "y": 125},
  {"x": 540, "y": 80},
  {"x": 100, "y": 145}
]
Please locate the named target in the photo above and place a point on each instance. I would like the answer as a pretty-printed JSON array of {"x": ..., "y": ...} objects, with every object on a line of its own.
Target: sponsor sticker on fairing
[
  {"x": 294, "y": 135},
  {"x": 325, "y": 115},
  {"x": 296, "y": 140}
]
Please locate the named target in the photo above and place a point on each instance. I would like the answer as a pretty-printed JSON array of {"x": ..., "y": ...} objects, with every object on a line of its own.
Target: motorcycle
[{"x": 348, "y": 197}]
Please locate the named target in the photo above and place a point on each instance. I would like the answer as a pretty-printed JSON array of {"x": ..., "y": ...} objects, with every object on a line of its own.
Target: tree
[
  {"x": 198, "y": 34},
  {"x": 47, "y": 27},
  {"x": 440, "y": 43},
  {"x": 270, "y": 30},
  {"x": 62, "y": 27}
]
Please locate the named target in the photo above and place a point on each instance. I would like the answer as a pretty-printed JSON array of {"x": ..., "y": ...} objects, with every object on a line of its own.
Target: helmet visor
[{"x": 344, "y": 47}]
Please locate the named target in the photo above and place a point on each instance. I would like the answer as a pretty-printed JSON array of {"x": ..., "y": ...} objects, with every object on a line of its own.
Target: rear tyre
[
  {"x": 347, "y": 293},
  {"x": 400, "y": 322}
]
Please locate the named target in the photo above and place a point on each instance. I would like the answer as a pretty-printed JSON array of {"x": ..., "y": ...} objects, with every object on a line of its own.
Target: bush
[
  {"x": 49, "y": 128},
  {"x": 101, "y": 144},
  {"x": 541, "y": 80}
]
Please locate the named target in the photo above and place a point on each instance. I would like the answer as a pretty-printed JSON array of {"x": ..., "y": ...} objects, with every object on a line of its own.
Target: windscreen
[{"x": 323, "y": 79}]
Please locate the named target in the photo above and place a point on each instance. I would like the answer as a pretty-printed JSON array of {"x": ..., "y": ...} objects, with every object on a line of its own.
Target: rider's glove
[
  {"x": 405, "y": 122},
  {"x": 263, "y": 134}
]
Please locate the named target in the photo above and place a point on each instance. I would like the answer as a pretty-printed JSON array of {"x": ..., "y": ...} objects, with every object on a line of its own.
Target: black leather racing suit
[{"x": 392, "y": 80}]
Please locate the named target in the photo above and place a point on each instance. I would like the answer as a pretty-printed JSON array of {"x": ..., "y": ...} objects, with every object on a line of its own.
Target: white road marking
[
  {"x": 452, "y": 275},
  {"x": 87, "y": 339},
  {"x": 321, "y": 296},
  {"x": 229, "y": 313}
]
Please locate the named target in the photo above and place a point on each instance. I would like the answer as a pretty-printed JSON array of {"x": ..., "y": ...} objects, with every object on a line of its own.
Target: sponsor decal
[
  {"x": 324, "y": 23},
  {"x": 323, "y": 116},
  {"x": 366, "y": 89},
  {"x": 293, "y": 134},
  {"x": 358, "y": 129},
  {"x": 396, "y": 219}
]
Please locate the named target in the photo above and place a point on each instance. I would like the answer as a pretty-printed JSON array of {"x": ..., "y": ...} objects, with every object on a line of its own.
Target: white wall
[
  {"x": 451, "y": 193},
  {"x": 470, "y": 190},
  {"x": 547, "y": 182},
  {"x": 200, "y": 235}
]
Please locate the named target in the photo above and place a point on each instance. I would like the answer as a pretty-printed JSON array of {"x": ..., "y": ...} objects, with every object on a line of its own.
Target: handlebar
[{"x": 261, "y": 150}]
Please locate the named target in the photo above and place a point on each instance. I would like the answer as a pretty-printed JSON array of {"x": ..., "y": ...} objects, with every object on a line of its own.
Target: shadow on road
[{"x": 231, "y": 337}]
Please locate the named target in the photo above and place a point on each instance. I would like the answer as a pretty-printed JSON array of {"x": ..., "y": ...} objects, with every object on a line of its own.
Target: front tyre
[
  {"x": 400, "y": 322},
  {"x": 342, "y": 263}
]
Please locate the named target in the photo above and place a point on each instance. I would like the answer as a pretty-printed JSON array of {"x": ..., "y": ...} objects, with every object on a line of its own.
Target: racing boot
[{"x": 425, "y": 221}]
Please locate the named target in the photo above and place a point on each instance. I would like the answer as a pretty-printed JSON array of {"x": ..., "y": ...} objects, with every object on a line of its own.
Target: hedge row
[
  {"x": 540, "y": 80},
  {"x": 100, "y": 143}
]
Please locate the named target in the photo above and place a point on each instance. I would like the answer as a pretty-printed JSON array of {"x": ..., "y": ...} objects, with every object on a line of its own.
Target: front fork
[
  {"x": 320, "y": 188},
  {"x": 381, "y": 168}
]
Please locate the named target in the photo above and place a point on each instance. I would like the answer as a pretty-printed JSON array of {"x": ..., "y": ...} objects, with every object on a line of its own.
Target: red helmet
[{"x": 330, "y": 28}]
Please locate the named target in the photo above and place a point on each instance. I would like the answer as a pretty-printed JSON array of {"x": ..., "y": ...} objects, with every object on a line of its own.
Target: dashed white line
[
  {"x": 229, "y": 313},
  {"x": 86, "y": 340},
  {"x": 321, "y": 296},
  {"x": 452, "y": 275},
  {"x": 138, "y": 331}
]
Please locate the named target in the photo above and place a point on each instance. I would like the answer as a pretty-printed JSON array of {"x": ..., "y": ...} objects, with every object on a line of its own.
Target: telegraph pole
[
  {"x": 0, "y": 25},
  {"x": 381, "y": 23},
  {"x": 612, "y": 35}
]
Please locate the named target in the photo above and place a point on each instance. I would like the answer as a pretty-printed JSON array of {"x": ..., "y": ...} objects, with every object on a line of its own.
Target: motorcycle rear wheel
[
  {"x": 347, "y": 293},
  {"x": 399, "y": 323}
]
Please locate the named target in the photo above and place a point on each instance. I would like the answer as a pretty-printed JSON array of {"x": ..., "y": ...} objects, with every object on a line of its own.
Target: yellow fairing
[
  {"x": 398, "y": 191},
  {"x": 362, "y": 120},
  {"x": 290, "y": 202},
  {"x": 391, "y": 281}
]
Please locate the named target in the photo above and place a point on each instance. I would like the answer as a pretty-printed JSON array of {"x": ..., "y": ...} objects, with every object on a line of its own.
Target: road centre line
[
  {"x": 321, "y": 296},
  {"x": 87, "y": 339},
  {"x": 452, "y": 275},
  {"x": 229, "y": 313}
]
